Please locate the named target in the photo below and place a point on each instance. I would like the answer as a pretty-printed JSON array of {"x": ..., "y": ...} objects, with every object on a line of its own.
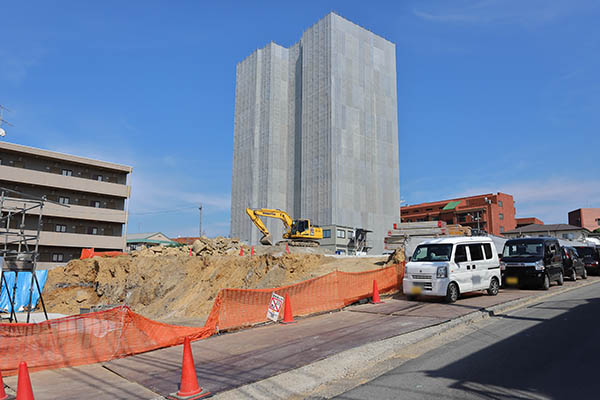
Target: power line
[{"x": 173, "y": 210}]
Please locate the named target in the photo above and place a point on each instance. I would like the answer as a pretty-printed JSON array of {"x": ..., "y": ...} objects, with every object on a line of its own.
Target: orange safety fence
[
  {"x": 91, "y": 253},
  {"x": 119, "y": 332}
]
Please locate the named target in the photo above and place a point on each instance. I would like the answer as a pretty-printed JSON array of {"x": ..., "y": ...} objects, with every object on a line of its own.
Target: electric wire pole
[{"x": 200, "y": 227}]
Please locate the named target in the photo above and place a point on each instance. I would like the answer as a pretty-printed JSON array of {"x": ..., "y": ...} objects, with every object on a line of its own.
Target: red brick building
[
  {"x": 588, "y": 218},
  {"x": 493, "y": 213},
  {"x": 528, "y": 221}
]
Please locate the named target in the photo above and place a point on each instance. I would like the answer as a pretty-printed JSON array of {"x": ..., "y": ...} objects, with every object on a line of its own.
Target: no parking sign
[{"x": 274, "y": 307}]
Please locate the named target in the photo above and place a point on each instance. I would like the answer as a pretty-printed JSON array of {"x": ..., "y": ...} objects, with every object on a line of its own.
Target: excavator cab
[{"x": 300, "y": 225}]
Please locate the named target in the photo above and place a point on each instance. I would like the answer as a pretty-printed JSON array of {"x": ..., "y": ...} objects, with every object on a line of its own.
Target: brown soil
[{"x": 177, "y": 287}]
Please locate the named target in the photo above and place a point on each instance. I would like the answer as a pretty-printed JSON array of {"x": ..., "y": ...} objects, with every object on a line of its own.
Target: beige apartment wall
[
  {"x": 75, "y": 212},
  {"x": 25, "y": 176},
  {"x": 79, "y": 240}
]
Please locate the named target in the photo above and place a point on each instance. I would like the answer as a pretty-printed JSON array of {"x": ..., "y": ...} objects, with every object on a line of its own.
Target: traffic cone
[
  {"x": 252, "y": 251},
  {"x": 3, "y": 395},
  {"x": 190, "y": 252},
  {"x": 241, "y": 251},
  {"x": 288, "y": 317},
  {"x": 376, "y": 299},
  {"x": 287, "y": 247},
  {"x": 188, "y": 388},
  {"x": 24, "y": 390}
]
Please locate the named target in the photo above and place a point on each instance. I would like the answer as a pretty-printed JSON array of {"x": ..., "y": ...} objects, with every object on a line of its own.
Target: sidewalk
[{"x": 233, "y": 360}]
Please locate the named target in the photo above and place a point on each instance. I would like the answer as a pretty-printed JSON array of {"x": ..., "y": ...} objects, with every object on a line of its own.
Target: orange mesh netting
[{"x": 119, "y": 332}]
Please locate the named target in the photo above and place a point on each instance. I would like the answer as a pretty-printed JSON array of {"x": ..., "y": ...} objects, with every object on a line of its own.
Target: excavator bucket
[{"x": 267, "y": 240}]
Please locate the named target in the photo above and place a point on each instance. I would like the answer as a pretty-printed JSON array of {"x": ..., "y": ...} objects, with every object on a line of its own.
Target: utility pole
[
  {"x": 2, "y": 131},
  {"x": 200, "y": 227}
]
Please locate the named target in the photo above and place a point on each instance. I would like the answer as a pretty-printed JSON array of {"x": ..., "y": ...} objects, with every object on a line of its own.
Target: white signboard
[{"x": 274, "y": 307}]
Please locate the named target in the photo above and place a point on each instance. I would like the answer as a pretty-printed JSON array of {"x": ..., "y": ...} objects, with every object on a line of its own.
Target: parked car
[
  {"x": 532, "y": 260},
  {"x": 449, "y": 267},
  {"x": 591, "y": 258},
  {"x": 573, "y": 263}
]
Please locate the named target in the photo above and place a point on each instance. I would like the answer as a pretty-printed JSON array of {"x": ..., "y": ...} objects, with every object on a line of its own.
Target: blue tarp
[{"x": 23, "y": 285}]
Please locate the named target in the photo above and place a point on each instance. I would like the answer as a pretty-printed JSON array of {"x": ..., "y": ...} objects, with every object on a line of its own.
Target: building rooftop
[
  {"x": 535, "y": 228},
  {"x": 63, "y": 157}
]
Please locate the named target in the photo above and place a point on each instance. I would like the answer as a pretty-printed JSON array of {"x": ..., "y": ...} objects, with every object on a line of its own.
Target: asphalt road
[{"x": 549, "y": 350}]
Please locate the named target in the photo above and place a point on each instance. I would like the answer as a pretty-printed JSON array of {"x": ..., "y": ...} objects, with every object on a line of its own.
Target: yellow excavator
[{"x": 298, "y": 231}]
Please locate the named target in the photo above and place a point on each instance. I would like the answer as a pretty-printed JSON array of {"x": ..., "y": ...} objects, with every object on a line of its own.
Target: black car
[
  {"x": 532, "y": 260},
  {"x": 573, "y": 263},
  {"x": 591, "y": 258}
]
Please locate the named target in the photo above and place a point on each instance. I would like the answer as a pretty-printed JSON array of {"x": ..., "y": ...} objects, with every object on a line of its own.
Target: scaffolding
[{"x": 20, "y": 243}]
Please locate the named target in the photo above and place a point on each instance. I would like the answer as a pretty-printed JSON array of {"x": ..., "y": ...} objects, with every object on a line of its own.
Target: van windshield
[
  {"x": 523, "y": 249},
  {"x": 432, "y": 252}
]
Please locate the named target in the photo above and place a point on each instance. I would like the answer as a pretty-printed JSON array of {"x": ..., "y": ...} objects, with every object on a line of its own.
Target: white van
[{"x": 451, "y": 266}]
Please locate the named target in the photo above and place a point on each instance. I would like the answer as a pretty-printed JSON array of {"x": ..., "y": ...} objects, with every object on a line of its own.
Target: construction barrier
[
  {"x": 22, "y": 293},
  {"x": 119, "y": 332},
  {"x": 91, "y": 253}
]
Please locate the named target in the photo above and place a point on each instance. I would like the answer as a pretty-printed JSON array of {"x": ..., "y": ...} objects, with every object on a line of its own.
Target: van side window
[
  {"x": 461, "y": 253},
  {"x": 476, "y": 252},
  {"x": 488, "y": 250}
]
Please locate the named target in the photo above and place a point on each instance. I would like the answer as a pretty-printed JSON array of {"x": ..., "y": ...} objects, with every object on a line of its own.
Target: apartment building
[
  {"x": 96, "y": 193},
  {"x": 492, "y": 213},
  {"x": 588, "y": 218}
]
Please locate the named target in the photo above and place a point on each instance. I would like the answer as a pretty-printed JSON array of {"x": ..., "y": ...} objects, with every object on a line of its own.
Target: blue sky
[{"x": 492, "y": 95}]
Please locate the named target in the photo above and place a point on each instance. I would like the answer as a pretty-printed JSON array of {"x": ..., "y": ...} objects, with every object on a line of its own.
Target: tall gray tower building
[{"x": 316, "y": 132}]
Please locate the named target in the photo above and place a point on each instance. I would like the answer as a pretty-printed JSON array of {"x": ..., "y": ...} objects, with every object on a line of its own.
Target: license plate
[
  {"x": 512, "y": 280},
  {"x": 415, "y": 290}
]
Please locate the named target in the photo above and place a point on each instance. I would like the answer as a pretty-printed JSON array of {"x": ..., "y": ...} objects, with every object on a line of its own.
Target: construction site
[{"x": 304, "y": 297}]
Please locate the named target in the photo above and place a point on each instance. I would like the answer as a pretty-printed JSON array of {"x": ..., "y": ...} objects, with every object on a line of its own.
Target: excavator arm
[{"x": 255, "y": 215}]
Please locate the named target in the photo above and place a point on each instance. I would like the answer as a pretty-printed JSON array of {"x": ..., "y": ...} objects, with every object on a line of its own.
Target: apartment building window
[
  {"x": 60, "y": 228},
  {"x": 326, "y": 233},
  {"x": 67, "y": 172},
  {"x": 499, "y": 203},
  {"x": 501, "y": 216},
  {"x": 93, "y": 230},
  {"x": 57, "y": 257},
  {"x": 501, "y": 229},
  {"x": 63, "y": 200},
  {"x": 99, "y": 178},
  {"x": 598, "y": 221},
  {"x": 350, "y": 234},
  {"x": 95, "y": 203},
  {"x": 341, "y": 234}
]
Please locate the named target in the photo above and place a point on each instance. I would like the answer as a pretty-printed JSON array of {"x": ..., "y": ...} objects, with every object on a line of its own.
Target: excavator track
[{"x": 299, "y": 243}]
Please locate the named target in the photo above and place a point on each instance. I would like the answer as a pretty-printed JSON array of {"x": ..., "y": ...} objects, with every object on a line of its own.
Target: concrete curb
[{"x": 306, "y": 381}]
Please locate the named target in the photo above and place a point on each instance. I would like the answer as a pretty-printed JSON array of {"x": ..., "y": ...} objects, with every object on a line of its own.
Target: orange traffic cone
[
  {"x": 24, "y": 390},
  {"x": 287, "y": 247},
  {"x": 241, "y": 251},
  {"x": 288, "y": 317},
  {"x": 252, "y": 251},
  {"x": 376, "y": 299},
  {"x": 3, "y": 395},
  {"x": 188, "y": 388}
]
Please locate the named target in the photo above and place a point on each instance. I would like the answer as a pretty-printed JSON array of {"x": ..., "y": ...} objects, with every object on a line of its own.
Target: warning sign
[{"x": 274, "y": 307}]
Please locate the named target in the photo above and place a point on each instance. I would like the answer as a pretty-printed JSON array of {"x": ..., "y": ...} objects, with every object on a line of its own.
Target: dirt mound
[{"x": 171, "y": 287}]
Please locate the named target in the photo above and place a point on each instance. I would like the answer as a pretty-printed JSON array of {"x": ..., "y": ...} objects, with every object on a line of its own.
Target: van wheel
[
  {"x": 584, "y": 275},
  {"x": 573, "y": 274},
  {"x": 494, "y": 287},
  {"x": 452, "y": 293},
  {"x": 546, "y": 283},
  {"x": 561, "y": 279}
]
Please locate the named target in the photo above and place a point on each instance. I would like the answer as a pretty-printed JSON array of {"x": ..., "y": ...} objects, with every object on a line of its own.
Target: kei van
[{"x": 451, "y": 266}]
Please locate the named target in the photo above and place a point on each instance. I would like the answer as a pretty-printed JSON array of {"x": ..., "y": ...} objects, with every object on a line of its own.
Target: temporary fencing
[
  {"x": 119, "y": 332},
  {"x": 21, "y": 295},
  {"x": 91, "y": 253}
]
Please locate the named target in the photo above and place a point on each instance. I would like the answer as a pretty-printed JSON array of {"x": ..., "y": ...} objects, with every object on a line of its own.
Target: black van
[
  {"x": 591, "y": 258},
  {"x": 532, "y": 260}
]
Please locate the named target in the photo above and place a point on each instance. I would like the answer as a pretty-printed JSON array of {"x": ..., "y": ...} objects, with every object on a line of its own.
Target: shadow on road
[{"x": 557, "y": 358}]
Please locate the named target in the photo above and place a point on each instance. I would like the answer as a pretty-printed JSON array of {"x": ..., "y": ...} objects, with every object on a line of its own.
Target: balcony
[
  {"x": 47, "y": 179},
  {"x": 75, "y": 212},
  {"x": 62, "y": 239}
]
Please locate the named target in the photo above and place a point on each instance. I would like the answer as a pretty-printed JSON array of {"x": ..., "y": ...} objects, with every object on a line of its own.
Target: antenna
[{"x": 2, "y": 131}]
